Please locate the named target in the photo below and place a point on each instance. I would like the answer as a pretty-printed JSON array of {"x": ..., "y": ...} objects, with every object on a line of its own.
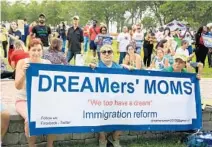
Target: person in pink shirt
[{"x": 94, "y": 31}]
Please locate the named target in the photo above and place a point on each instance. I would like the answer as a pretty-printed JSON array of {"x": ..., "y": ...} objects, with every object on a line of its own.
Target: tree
[{"x": 148, "y": 22}]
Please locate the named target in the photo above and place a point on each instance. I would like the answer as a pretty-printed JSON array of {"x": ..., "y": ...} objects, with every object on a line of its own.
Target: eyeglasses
[
  {"x": 109, "y": 52},
  {"x": 104, "y": 30}
]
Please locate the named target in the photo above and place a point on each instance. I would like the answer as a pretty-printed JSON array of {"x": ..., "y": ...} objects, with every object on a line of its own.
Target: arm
[
  {"x": 138, "y": 62},
  {"x": 166, "y": 63},
  {"x": 191, "y": 56},
  {"x": 20, "y": 74},
  {"x": 13, "y": 64},
  {"x": 67, "y": 42},
  {"x": 81, "y": 41},
  {"x": 49, "y": 34},
  {"x": 126, "y": 60},
  {"x": 15, "y": 37},
  {"x": 33, "y": 33}
]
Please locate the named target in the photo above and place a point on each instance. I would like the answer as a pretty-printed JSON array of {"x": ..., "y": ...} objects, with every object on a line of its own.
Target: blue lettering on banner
[
  {"x": 103, "y": 85},
  {"x": 165, "y": 87},
  {"x": 41, "y": 78}
]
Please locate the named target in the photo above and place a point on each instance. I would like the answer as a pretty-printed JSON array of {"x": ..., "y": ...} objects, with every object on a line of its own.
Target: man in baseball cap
[
  {"x": 76, "y": 17},
  {"x": 42, "y": 31},
  {"x": 42, "y": 15},
  {"x": 178, "y": 65}
]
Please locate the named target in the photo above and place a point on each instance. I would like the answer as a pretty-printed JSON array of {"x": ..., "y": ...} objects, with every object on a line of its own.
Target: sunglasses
[
  {"x": 107, "y": 51},
  {"x": 138, "y": 28},
  {"x": 75, "y": 19}
]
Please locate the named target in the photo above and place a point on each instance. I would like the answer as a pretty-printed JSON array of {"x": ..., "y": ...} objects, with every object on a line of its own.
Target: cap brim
[{"x": 42, "y": 15}]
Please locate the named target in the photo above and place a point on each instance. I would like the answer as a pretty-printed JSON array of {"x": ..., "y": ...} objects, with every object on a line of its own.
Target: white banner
[{"x": 91, "y": 99}]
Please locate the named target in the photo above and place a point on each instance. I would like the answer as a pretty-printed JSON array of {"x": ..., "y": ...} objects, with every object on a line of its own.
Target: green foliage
[
  {"x": 194, "y": 12},
  {"x": 148, "y": 22}
]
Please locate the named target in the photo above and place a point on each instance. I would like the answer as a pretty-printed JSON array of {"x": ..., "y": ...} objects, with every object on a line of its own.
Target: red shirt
[
  {"x": 18, "y": 55},
  {"x": 93, "y": 32}
]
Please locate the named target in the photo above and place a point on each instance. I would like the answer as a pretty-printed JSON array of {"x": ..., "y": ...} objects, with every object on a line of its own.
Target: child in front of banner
[
  {"x": 106, "y": 56},
  {"x": 35, "y": 53}
]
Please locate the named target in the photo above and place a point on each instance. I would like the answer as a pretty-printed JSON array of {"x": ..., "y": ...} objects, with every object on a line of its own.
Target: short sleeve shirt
[
  {"x": 16, "y": 33},
  {"x": 42, "y": 32},
  {"x": 93, "y": 32},
  {"x": 124, "y": 40},
  {"x": 75, "y": 38}
]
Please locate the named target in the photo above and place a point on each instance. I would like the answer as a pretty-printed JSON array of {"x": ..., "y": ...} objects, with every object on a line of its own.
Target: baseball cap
[
  {"x": 180, "y": 56},
  {"x": 77, "y": 17},
  {"x": 42, "y": 15}
]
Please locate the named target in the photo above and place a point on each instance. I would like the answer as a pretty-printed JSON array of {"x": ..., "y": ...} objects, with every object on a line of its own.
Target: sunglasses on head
[{"x": 107, "y": 51}]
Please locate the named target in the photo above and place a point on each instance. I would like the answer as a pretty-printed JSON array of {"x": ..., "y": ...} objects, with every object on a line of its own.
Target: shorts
[
  {"x": 93, "y": 45},
  {"x": 194, "y": 64}
]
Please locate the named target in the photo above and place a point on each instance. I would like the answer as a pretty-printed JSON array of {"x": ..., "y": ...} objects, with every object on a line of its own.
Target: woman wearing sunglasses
[{"x": 106, "y": 56}]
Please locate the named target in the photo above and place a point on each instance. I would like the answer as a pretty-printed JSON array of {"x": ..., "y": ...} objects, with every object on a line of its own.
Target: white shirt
[
  {"x": 124, "y": 40},
  {"x": 138, "y": 36},
  {"x": 182, "y": 51}
]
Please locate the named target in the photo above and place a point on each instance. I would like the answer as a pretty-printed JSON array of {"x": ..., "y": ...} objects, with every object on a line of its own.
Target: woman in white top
[{"x": 35, "y": 53}]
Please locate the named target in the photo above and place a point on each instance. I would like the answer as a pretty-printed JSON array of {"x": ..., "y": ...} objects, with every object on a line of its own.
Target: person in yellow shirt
[{"x": 3, "y": 39}]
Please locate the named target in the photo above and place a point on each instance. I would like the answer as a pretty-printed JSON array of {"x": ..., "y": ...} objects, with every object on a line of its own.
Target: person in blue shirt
[
  {"x": 26, "y": 31},
  {"x": 106, "y": 61}
]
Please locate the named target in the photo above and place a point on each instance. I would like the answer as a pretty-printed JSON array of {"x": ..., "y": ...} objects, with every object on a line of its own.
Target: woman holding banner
[
  {"x": 132, "y": 59},
  {"x": 35, "y": 53},
  {"x": 106, "y": 56}
]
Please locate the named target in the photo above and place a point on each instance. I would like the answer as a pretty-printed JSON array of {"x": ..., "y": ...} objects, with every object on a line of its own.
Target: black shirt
[
  {"x": 16, "y": 33},
  {"x": 147, "y": 44},
  {"x": 75, "y": 38},
  {"x": 42, "y": 32}
]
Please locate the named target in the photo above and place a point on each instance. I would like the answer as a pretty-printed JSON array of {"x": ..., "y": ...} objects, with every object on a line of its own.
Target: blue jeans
[
  {"x": 121, "y": 57},
  {"x": 70, "y": 55},
  {"x": 64, "y": 45},
  {"x": 86, "y": 42},
  {"x": 138, "y": 50},
  {"x": 190, "y": 50}
]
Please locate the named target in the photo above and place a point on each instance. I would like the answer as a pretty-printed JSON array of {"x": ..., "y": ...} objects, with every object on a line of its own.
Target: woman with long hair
[
  {"x": 35, "y": 53},
  {"x": 132, "y": 59},
  {"x": 201, "y": 50},
  {"x": 149, "y": 41},
  {"x": 13, "y": 34}
]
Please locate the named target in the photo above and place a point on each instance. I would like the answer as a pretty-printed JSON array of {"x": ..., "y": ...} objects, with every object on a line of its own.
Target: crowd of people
[{"x": 163, "y": 50}]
